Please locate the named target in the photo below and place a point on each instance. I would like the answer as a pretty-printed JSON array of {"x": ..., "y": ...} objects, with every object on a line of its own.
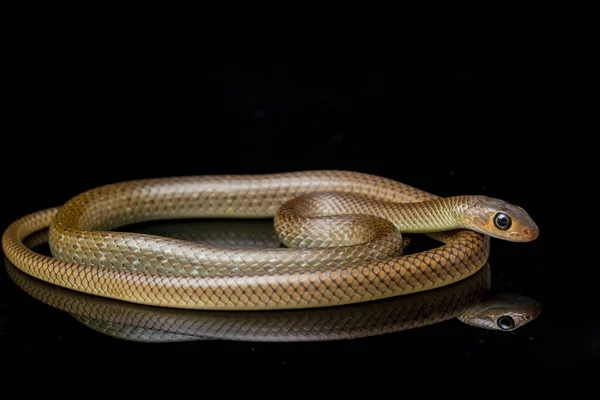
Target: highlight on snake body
[{"x": 341, "y": 233}]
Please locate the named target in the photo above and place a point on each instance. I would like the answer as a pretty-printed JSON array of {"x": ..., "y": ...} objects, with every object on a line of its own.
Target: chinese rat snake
[{"x": 341, "y": 231}]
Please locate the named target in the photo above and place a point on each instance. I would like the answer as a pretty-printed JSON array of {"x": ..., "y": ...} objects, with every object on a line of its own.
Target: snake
[
  {"x": 341, "y": 231},
  {"x": 470, "y": 301}
]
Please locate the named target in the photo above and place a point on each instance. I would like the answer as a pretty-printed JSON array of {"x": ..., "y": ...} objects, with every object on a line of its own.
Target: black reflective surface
[
  {"x": 471, "y": 301},
  {"x": 436, "y": 131}
]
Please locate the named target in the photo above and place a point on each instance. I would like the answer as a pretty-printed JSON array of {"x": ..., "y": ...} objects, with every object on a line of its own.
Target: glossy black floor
[{"x": 449, "y": 133}]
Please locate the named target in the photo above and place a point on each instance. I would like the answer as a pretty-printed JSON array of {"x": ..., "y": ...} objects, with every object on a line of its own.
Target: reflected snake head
[
  {"x": 502, "y": 312},
  {"x": 499, "y": 219}
]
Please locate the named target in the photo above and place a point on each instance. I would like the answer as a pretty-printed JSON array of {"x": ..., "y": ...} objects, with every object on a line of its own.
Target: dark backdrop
[{"x": 93, "y": 121}]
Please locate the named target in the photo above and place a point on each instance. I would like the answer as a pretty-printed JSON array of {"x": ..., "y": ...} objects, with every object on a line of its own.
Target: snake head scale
[
  {"x": 502, "y": 312},
  {"x": 499, "y": 219}
]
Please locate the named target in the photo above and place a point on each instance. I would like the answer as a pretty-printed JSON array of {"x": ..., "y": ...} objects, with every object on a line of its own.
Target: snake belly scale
[{"x": 356, "y": 257}]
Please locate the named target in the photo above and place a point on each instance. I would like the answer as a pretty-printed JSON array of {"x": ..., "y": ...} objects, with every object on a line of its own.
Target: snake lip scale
[{"x": 342, "y": 231}]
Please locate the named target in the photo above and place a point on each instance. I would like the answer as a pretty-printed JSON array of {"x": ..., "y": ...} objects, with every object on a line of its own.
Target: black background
[{"x": 95, "y": 120}]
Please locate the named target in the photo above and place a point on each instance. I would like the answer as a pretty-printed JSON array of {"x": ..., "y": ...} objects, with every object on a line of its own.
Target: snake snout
[
  {"x": 529, "y": 229},
  {"x": 531, "y": 233}
]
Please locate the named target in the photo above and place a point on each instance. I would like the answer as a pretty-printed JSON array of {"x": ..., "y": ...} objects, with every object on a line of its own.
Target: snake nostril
[{"x": 526, "y": 232}]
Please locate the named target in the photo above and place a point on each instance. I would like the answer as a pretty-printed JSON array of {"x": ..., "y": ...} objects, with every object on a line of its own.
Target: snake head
[
  {"x": 503, "y": 312},
  {"x": 499, "y": 219}
]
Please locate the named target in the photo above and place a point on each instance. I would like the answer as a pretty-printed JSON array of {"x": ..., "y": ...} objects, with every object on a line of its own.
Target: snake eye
[
  {"x": 502, "y": 221},
  {"x": 506, "y": 323}
]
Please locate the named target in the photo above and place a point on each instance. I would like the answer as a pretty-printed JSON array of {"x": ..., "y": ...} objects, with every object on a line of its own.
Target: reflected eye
[
  {"x": 506, "y": 323},
  {"x": 502, "y": 221}
]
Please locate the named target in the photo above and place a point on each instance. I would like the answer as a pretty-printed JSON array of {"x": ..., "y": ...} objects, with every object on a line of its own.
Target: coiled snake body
[{"x": 342, "y": 232}]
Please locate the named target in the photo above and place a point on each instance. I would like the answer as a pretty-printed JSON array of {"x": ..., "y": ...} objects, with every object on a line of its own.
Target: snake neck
[
  {"x": 421, "y": 217},
  {"x": 425, "y": 217}
]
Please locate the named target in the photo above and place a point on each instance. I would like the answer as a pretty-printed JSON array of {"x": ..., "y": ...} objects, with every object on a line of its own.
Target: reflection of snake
[
  {"x": 468, "y": 300},
  {"x": 352, "y": 256}
]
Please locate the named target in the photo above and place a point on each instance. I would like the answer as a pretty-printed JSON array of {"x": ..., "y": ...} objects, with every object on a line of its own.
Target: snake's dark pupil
[
  {"x": 502, "y": 221},
  {"x": 506, "y": 323}
]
